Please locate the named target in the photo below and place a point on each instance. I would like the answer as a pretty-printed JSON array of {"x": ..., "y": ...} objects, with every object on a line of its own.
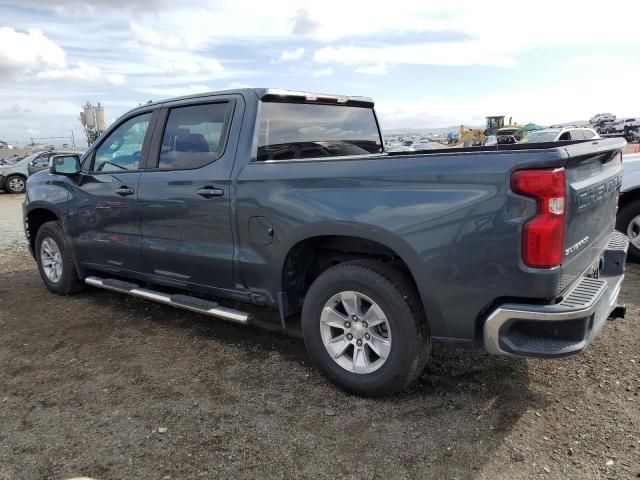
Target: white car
[
  {"x": 620, "y": 126},
  {"x": 602, "y": 117},
  {"x": 628, "y": 216},
  {"x": 563, "y": 134}
]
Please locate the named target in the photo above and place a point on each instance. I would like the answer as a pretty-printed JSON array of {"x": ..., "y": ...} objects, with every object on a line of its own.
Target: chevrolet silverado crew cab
[{"x": 287, "y": 200}]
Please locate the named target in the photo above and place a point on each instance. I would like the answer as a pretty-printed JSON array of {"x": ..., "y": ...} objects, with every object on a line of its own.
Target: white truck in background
[{"x": 628, "y": 217}]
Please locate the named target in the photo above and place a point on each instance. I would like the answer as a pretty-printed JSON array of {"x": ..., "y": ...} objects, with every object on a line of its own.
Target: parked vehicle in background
[
  {"x": 287, "y": 200},
  {"x": 11, "y": 160},
  {"x": 628, "y": 217},
  {"x": 602, "y": 117},
  {"x": 603, "y": 127},
  {"x": 490, "y": 141},
  {"x": 564, "y": 134},
  {"x": 13, "y": 178}
]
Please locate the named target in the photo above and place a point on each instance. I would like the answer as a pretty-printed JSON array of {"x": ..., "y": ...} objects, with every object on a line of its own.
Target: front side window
[
  {"x": 121, "y": 150},
  {"x": 301, "y": 131},
  {"x": 193, "y": 136}
]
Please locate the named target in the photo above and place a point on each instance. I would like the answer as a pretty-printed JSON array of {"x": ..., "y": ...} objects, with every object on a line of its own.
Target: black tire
[
  {"x": 69, "y": 281},
  {"x": 396, "y": 295},
  {"x": 15, "y": 184},
  {"x": 625, "y": 215}
]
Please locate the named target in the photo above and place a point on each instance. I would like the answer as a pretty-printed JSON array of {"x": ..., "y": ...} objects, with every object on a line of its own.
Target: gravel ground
[
  {"x": 11, "y": 229},
  {"x": 111, "y": 387}
]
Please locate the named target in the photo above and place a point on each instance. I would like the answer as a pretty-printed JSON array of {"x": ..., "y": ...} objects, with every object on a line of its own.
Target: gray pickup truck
[{"x": 287, "y": 200}]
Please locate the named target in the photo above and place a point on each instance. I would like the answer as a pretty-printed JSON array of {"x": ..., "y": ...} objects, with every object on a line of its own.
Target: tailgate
[{"x": 593, "y": 174}]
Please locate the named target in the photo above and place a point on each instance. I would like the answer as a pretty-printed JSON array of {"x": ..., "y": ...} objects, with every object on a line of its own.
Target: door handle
[
  {"x": 210, "y": 192},
  {"x": 124, "y": 191}
]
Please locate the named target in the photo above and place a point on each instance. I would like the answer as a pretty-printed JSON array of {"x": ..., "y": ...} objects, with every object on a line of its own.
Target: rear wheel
[
  {"x": 364, "y": 328},
  {"x": 628, "y": 222},
  {"x": 15, "y": 184},
  {"x": 55, "y": 260}
]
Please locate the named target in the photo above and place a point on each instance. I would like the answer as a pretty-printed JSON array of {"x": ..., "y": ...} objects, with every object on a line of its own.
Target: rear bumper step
[
  {"x": 564, "y": 328},
  {"x": 186, "y": 302}
]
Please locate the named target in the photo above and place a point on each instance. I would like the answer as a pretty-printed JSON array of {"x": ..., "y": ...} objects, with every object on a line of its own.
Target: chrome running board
[{"x": 186, "y": 302}]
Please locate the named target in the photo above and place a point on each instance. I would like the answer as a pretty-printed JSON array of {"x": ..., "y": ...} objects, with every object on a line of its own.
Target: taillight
[{"x": 543, "y": 235}]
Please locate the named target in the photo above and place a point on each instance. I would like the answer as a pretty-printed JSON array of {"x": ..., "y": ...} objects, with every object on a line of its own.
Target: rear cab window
[{"x": 292, "y": 131}]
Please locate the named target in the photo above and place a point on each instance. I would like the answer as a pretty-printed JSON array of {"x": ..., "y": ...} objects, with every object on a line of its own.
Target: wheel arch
[
  {"x": 34, "y": 219},
  {"x": 321, "y": 246}
]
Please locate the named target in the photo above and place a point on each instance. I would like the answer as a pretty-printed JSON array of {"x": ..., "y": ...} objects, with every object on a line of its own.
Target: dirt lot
[{"x": 89, "y": 383}]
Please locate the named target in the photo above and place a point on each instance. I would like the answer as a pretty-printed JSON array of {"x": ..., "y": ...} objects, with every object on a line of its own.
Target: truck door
[
  {"x": 104, "y": 218},
  {"x": 184, "y": 194}
]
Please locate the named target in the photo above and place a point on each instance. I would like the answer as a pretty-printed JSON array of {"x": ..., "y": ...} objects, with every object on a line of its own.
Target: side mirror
[{"x": 64, "y": 164}]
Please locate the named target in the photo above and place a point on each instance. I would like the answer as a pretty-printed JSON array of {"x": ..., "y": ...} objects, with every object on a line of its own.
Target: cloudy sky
[{"x": 426, "y": 63}]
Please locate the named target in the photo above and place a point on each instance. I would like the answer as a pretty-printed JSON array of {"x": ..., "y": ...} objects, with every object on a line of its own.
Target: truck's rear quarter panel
[{"x": 450, "y": 217}]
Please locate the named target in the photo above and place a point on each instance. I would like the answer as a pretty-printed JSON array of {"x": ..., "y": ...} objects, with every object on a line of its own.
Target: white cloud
[
  {"x": 148, "y": 36},
  {"x": 92, "y": 5},
  {"x": 82, "y": 73},
  {"x": 193, "y": 65},
  {"x": 32, "y": 56},
  {"x": 160, "y": 36},
  {"x": 378, "y": 69},
  {"x": 26, "y": 53},
  {"x": 288, "y": 55},
  {"x": 441, "y": 53},
  {"x": 238, "y": 85},
  {"x": 303, "y": 23},
  {"x": 175, "y": 91},
  {"x": 325, "y": 72}
]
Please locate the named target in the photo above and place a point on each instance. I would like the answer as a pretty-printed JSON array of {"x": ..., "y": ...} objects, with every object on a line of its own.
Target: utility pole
[{"x": 73, "y": 140}]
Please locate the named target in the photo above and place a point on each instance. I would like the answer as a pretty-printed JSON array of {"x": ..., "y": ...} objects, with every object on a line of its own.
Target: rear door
[
  {"x": 104, "y": 218},
  {"x": 184, "y": 195}
]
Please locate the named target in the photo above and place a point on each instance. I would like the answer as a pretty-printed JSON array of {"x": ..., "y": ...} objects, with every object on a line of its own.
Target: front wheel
[
  {"x": 628, "y": 222},
  {"x": 364, "y": 328},
  {"x": 15, "y": 184},
  {"x": 55, "y": 260}
]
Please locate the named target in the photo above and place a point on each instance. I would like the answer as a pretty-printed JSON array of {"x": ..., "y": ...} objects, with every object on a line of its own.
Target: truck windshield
[{"x": 303, "y": 131}]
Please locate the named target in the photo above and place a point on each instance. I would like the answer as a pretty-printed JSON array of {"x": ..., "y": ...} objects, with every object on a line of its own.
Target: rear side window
[
  {"x": 565, "y": 137},
  {"x": 193, "y": 136},
  {"x": 577, "y": 135},
  {"x": 588, "y": 134},
  {"x": 304, "y": 131}
]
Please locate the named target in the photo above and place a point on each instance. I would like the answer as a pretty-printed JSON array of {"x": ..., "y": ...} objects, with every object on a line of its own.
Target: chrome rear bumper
[{"x": 563, "y": 328}]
